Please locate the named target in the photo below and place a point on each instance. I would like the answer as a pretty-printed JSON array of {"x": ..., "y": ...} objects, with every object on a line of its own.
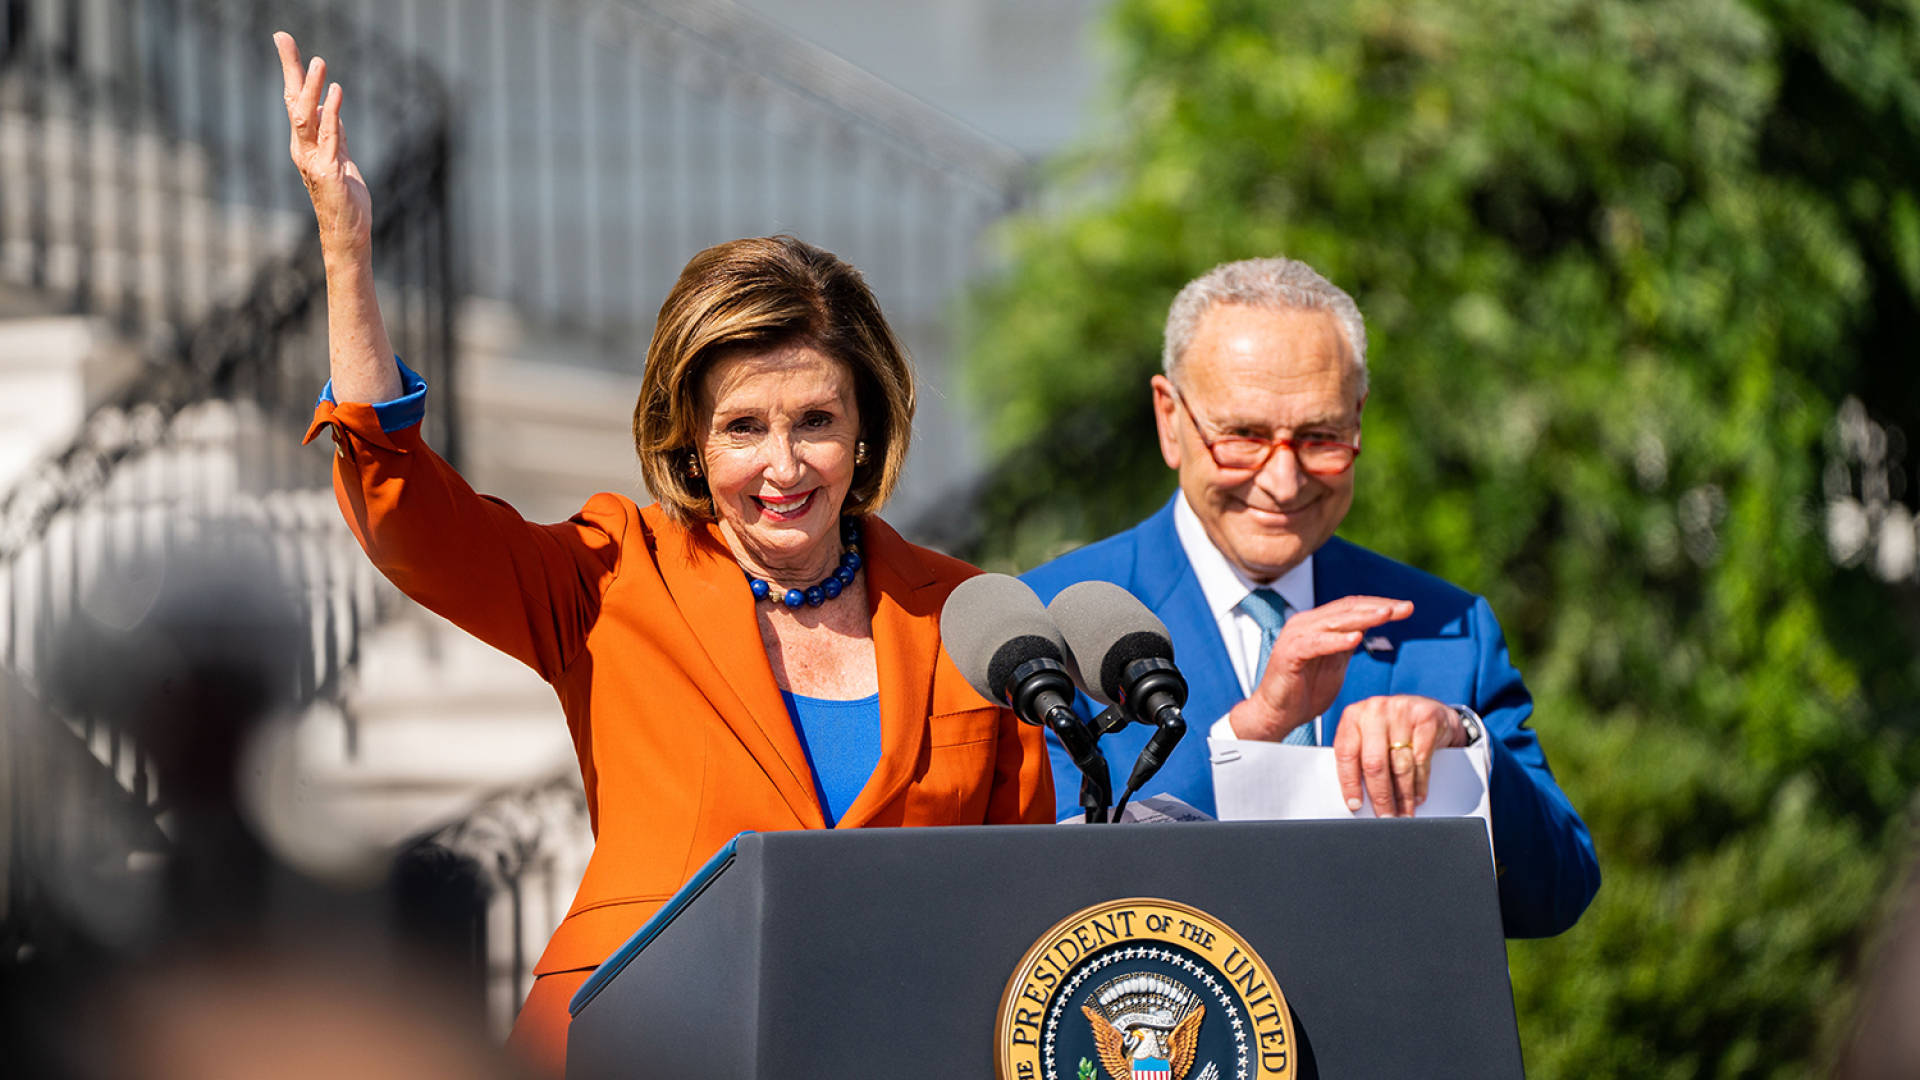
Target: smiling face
[
  {"x": 1265, "y": 373},
  {"x": 776, "y": 441}
]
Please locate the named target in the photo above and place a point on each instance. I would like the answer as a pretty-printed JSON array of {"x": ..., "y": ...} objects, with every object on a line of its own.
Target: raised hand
[
  {"x": 359, "y": 353},
  {"x": 1308, "y": 664},
  {"x": 318, "y": 147}
]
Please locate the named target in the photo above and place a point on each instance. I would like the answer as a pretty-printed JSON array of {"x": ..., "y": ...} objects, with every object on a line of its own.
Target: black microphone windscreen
[
  {"x": 1106, "y": 628},
  {"x": 992, "y": 624}
]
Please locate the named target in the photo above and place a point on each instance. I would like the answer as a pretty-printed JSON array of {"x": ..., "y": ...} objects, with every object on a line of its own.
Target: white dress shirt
[{"x": 1225, "y": 586}]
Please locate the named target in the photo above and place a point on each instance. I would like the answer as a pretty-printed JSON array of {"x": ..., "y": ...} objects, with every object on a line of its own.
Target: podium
[{"x": 952, "y": 952}]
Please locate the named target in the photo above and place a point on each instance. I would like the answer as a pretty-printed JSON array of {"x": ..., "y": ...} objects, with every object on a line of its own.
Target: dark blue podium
[{"x": 893, "y": 953}]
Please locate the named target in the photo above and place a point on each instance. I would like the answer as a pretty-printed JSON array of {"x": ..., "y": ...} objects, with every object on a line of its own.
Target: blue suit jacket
[{"x": 1451, "y": 650}]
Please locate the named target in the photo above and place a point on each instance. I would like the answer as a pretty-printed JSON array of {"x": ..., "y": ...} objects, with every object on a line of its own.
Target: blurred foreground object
[
  {"x": 290, "y": 1014},
  {"x": 1885, "y": 1044},
  {"x": 326, "y": 1008},
  {"x": 203, "y": 954},
  {"x": 189, "y": 655},
  {"x": 121, "y": 772}
]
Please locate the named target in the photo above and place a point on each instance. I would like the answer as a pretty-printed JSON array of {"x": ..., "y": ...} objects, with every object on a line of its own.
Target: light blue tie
[{"x": 1270, "y": 612}]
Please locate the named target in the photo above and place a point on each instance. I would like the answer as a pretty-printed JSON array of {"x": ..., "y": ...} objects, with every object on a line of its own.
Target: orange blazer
[{"x": 648, "y": 634}]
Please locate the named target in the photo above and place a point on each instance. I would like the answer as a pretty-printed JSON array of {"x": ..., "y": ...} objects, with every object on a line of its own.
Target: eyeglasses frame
[{"x": 1279, "y": 443}]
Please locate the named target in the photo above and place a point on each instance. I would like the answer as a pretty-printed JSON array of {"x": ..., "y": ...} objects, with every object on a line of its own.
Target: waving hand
[
  {"x": 319, "y": 148},
  {"x": 359, "y": 352}
]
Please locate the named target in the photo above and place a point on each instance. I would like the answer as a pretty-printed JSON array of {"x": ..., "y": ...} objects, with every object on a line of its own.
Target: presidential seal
[{"x": 1143, "y": 989}]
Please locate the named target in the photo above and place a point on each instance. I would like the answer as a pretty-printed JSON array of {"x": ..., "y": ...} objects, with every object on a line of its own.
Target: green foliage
[{"x": 1620, "y": 262}]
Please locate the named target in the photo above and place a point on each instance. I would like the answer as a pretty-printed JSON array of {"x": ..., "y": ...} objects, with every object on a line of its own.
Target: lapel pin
[{"x": 1376, "y": 644}]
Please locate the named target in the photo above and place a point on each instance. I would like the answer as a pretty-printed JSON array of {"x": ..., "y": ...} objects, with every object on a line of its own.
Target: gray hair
[{"x": 1279, "y": 283}]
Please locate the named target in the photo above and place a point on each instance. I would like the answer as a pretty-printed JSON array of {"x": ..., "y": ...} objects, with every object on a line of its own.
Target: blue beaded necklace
[{"x": 831, "y": 586}]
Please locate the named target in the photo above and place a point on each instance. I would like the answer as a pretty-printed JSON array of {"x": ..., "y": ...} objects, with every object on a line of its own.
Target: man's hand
[
  {"x": 1308, "y": 664},
  {"x": 1384, "y": 749}
]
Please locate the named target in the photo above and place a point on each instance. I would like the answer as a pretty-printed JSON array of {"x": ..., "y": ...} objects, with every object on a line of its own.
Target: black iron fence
[{"x": 603, "y": 142}]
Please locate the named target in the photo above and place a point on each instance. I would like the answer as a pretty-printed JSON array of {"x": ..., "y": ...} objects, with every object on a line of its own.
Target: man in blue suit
[{"x": 1286, "y": 632}]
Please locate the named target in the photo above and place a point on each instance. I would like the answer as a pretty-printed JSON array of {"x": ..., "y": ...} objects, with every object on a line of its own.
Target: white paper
[{"x": 1270, "y": 781}]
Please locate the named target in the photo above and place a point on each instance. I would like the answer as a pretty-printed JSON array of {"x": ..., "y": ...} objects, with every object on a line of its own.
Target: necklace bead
[{"x": 830, "y": 587}]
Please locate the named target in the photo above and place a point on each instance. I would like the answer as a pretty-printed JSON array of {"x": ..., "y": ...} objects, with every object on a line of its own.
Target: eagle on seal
[{"x": 1139, "y": 1051}]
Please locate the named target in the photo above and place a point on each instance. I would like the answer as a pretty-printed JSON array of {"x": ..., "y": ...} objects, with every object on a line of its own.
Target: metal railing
[
  {"x": 603, "y": 142},
  {"x": 132, "y": 188}
]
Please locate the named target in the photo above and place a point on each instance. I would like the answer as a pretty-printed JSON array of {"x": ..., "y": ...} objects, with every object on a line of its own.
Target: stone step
[
  {"x": 142, "y": 212},
  {"x": 53, "y": 371},
  {"x": 148, "y": 220},
  {"x": 556, "y": 432},
  {"x": 441, "y": 724},
  {"x": 213, "y": 265},
  {"x": 100, "y": 152}
]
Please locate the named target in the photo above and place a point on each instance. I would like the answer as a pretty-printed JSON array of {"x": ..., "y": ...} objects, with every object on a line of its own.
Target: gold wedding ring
[{"x": 1393, "y": 755}]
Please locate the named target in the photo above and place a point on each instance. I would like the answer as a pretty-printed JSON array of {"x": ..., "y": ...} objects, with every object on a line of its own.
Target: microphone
[
  {"x": 1122, "y": 656},
  {"x": 999, "y": 636}
]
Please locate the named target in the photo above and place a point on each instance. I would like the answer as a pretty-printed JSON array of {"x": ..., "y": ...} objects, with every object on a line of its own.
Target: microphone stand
[
  {"x": 1096, "y": 783},
  {"x": 1040, "y": 689},
  {"x": 1152, "y": 694}
]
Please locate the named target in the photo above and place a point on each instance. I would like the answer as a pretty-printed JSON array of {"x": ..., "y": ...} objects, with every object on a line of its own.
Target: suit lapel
[
  {"x": 1369, "y": 674},
  {"x": 1162, "y": 575},
  {"x": 906, "y": 647},
  {"x": 711, "y": 594}
]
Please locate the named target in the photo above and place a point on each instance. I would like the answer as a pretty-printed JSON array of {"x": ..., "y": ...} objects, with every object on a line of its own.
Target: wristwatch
[{"x": 1469, "y": 720}]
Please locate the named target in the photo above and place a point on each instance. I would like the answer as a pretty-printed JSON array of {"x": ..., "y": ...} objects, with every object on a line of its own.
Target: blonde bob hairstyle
[{"x": 753, "y": 295}]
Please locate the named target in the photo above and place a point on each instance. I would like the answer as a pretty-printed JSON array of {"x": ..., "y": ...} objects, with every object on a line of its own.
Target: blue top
[{"x": 842, "y": 743}]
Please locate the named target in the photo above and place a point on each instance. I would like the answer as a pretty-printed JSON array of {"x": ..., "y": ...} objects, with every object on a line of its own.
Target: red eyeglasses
[{"x": 1246, "y": 453}]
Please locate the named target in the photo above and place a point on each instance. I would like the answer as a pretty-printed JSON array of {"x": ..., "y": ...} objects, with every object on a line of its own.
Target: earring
[
  {"x": 693, "y": 466},
  {"x": 860, "y": 452}
]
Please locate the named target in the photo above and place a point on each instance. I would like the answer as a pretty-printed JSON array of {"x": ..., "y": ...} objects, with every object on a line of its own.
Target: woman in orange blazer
[{"x": 753, "y": 651}]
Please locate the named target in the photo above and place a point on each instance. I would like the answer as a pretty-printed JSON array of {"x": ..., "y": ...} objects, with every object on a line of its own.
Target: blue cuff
[{"x": 402, "y": 412}]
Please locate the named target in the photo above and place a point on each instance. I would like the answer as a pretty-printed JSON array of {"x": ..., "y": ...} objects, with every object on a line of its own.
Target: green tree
[{"x": 1620, "y": 262}]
